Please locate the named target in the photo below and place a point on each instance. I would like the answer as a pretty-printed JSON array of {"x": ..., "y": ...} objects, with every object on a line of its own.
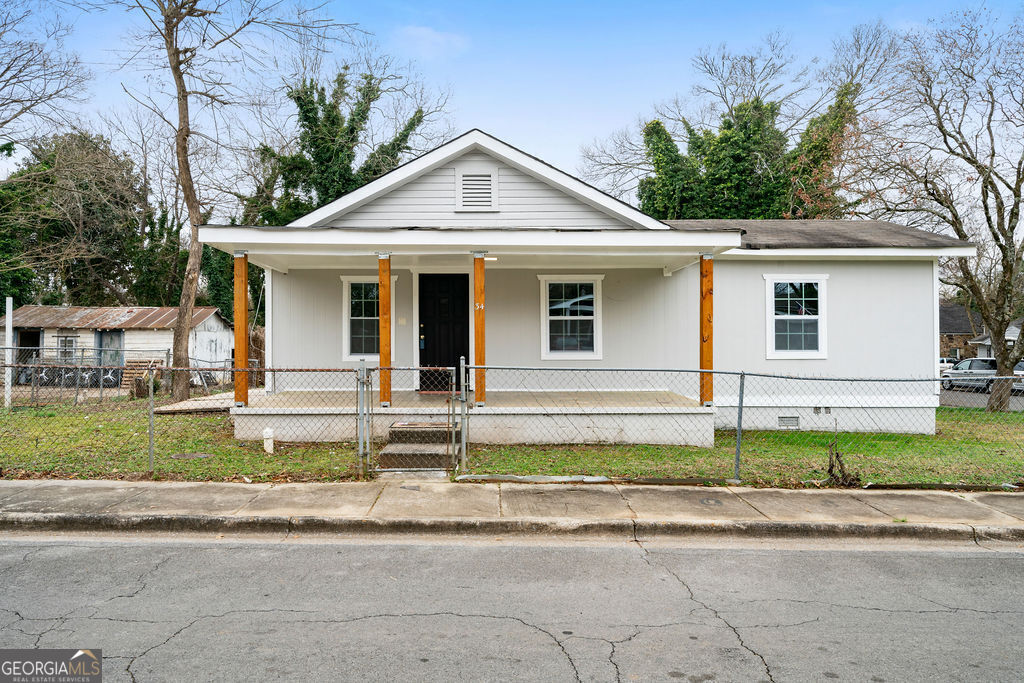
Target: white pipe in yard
[{"x": 9, "y": 353}]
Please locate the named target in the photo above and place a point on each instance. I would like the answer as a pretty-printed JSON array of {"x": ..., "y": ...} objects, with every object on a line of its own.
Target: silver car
[{"x": 973, "y": 373}]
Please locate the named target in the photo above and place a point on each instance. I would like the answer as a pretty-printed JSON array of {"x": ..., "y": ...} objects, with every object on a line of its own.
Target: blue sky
[{"x": 551, "y": 76}]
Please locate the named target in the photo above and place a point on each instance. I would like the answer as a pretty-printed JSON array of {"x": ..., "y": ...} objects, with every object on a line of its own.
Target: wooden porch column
[
  {"x": 707, "y": 280},
  {"x": 479, "y": 329},
  {"x": 241, "y": 328},
  {"x": 384, "y": 330}
]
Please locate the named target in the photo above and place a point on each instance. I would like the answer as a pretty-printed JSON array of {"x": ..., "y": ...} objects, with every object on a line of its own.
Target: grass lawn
[
  {"x": 971, "y": 447},
  {"x": 112, "y": 441}
]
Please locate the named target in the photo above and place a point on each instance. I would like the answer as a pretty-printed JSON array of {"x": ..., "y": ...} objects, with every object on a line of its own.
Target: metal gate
[{"x": 419, "y": 429}]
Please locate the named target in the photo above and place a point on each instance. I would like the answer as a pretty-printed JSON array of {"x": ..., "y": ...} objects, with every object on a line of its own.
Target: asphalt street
[
  {"x": 967, "y": 398},
  {"x": 261, "y": 609}
]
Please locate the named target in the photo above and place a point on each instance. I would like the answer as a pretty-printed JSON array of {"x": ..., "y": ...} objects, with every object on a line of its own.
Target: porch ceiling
[{"x": 299, "y": 248}]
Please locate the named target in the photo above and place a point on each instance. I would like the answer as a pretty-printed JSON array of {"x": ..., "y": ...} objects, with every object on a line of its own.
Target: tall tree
[
  {"x": 947, "y": 153},
  {"x": 328, "y": 163},
  {"x": 744, "y": 170},
  {"x": 73, "y": 212},
  {"x": 37, "y": 75},
  {"x": 200, "y": 45}
]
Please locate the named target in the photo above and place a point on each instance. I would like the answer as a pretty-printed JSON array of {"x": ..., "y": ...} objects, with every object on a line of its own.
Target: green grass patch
[
  {"x": 113, "y": 442},
  {"x": 970, "y": 447}
]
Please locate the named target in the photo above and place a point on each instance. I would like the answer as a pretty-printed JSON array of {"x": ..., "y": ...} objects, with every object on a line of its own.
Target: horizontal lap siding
[{"x": 429, "y": 201}]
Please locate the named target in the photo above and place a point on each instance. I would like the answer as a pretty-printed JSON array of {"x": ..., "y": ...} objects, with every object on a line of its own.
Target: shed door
[{"x": 111, "y": 345}]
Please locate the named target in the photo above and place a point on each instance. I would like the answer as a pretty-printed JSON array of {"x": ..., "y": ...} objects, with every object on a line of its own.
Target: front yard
[
  {"x": 101, "y": 442},
  {"x": 971, "y": 447},
  {"x": 111, "y": 441}
]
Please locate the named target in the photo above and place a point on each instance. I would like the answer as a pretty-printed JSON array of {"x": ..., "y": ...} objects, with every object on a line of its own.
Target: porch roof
[{"x": 286, "y": 247}]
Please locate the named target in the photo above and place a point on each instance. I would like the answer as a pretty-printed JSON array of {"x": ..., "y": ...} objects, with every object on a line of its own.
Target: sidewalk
[{"x": 607, "y": 510}]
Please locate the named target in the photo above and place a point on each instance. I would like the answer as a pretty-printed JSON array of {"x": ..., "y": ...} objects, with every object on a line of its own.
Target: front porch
[{"x": 507, "y": 417}]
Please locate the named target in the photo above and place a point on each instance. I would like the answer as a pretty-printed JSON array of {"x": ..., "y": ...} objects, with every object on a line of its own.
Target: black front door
[{"x": 444, "y": 326}]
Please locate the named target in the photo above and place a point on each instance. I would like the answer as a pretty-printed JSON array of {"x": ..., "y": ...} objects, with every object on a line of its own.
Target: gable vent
[{"x": 476, "y": 191}]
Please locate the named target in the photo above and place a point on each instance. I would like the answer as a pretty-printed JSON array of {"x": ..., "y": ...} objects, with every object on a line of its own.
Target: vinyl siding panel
[{"x": 430, "y": 201}]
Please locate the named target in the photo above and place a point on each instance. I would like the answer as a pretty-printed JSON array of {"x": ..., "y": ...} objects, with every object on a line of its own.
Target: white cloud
[{"x": 423, "y": 42}]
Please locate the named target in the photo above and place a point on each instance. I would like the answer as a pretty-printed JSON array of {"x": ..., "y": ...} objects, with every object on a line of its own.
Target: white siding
[
  {"x": 212, "y": 341},
  {"x": 148, "y": 344},
  {"x": 430, "y": 201},
  {"x": 880, "y": 318}
]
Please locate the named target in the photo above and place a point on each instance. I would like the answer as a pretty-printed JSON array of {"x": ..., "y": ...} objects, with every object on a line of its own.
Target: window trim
[
  {"x": 545, "y": 342},
  {"x": 821, "y": 280},
  {"x": 346, "y": 298}
]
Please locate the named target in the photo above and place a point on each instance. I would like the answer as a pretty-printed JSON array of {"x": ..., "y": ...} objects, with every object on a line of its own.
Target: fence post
[
  {"x": 360, "y": 402},
  {"x": 463, "y": 415},
  {"x": 9, "y": 351},
  {"x": 151, "y": 373},
  {"x": 739, "y": 429}
]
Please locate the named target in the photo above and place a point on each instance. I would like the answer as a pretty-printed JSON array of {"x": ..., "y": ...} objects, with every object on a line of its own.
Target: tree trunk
[
  {"x": 999, "y": 399},
  {"x": 183, "y": 325}
]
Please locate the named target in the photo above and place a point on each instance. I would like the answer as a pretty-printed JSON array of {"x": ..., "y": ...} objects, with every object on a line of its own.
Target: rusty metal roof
[{"x": 106, "y": 317}]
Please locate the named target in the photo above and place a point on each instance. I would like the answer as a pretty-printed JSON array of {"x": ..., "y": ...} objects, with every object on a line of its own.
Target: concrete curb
[{"x": 625, "y": 529}]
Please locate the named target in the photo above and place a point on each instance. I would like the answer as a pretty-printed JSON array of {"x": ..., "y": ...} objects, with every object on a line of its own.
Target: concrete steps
[{"x": 417, "y": 445}]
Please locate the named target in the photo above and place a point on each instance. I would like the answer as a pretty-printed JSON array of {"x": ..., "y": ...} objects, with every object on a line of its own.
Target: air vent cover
[
  {"x": 476, "y": 192},
  {"x": 789, "y": 422}
]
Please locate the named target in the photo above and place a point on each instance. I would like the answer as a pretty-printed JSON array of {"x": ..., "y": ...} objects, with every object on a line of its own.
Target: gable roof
[
  {"x": 823, "y": 234},
  {"x": 477, "y": 140},
  {"x": 106, "y": 317},
  {"x": 956, "y": 318},
  {"x": 1013, "y": 331}
]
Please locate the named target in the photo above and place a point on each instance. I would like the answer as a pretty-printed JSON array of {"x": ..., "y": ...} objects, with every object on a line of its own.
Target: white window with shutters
[{"x": 476, "y": 189}]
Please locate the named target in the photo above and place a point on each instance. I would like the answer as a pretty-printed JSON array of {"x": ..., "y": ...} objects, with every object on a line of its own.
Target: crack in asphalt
[
  {"x": 946, "y": 609},
  {"x": 388, "y": 615},
  {"x": 693, "y": 598}
]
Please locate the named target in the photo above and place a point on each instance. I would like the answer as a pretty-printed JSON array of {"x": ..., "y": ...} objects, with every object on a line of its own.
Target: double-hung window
[
  {"x": 66, "y": 348},
  {"x": 570, "y": 316},
  {"x": 795, "y": 307},
  {"x": 361, "y": 319}
]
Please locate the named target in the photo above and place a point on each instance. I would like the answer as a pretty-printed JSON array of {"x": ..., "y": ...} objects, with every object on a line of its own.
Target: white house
[
  {"x": 983, "y": 341},
  {"x": 112, "y": 335},
  {"x": 481, "y": 250}
]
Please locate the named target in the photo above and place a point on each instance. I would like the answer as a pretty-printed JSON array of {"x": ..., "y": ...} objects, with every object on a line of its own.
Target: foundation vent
[{"x": 789, "y": 422}]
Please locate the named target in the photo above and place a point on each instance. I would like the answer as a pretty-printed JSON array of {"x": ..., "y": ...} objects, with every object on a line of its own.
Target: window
[
  {"x": 795, "y": 316},
  {"x": 570, "y": 316},
  {"x": 361, "y": 319},
  {"x": 66, "y": 348},
  {"x": 364, "y": 319}
]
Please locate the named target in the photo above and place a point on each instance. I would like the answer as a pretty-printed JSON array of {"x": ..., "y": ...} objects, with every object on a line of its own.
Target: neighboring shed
[{"x": 110, "y": 335}]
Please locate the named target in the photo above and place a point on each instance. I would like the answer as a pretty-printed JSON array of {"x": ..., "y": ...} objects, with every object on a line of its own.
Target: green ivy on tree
[
  {"x": 331, "y": 129},
  {"x": 744, "y": 170}
]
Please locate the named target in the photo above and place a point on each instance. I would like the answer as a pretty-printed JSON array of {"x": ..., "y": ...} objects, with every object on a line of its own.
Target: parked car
[
  {"x": 973, "y": 373},
  {"x": 945, "y": 363}
]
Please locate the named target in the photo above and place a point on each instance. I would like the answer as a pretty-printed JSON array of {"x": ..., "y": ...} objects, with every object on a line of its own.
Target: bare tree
[
  {"x": 947, "y": 153},
  {"x": 37, "y": 76},
  {"x": 726, "y": 78},
  {"x": 209, "y": 50}
]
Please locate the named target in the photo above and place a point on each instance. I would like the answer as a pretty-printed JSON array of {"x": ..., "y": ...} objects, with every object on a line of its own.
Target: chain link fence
[{"x": 328, "y": 424}]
